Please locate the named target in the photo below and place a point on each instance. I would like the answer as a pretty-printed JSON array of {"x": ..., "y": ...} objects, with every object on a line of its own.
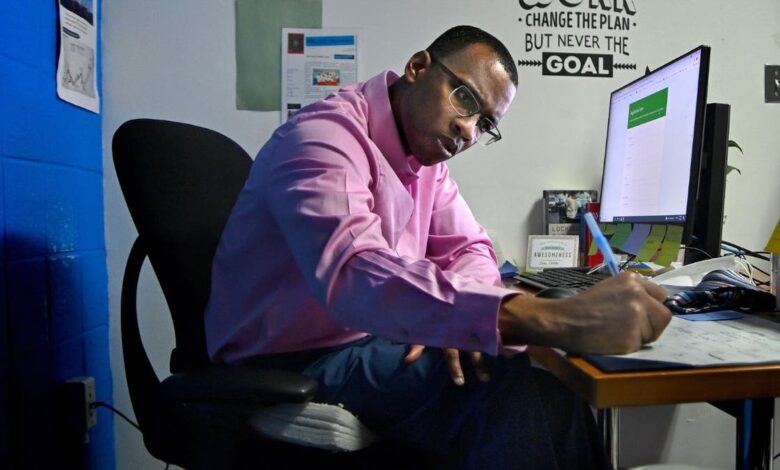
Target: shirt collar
[{"x": 382, "y": 128}]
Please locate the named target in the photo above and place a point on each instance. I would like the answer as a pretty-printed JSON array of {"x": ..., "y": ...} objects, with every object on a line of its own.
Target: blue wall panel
[
  {"x": 70, "y": 136},
  {"x": 23, "y": 132},
  {"x": 29, "y": 34},
  {"x": 97, "y": 362},
  {"x": 52, "y": 209},
  {"x": 88, "y": 204},
  {"x": 53, "y": 281},
  {"x": 94, "y": 286},
  {"x": 65, "y": 307},
  {"x": 2, "y": 218},
  {"x": 5, "y": 421},
  {"x": 25, "y": 194},
  {"x": 5, "y": 362},
  {"x": 28, "y": 322}
]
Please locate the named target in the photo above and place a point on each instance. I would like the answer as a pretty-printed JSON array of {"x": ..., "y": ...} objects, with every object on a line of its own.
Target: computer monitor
[{"x": 654, "y": 143}]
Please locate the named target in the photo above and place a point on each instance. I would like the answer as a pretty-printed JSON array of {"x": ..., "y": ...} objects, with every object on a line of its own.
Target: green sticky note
[
  {"x": 670, "y": 246},
  {"x": 622, "y": 232},
  {"x": 259, "y": 26},
  {"x": 652, "y": 243}
]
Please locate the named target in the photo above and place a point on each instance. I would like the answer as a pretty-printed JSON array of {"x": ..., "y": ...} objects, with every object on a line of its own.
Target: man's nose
[{"x": 467, "y": 127}]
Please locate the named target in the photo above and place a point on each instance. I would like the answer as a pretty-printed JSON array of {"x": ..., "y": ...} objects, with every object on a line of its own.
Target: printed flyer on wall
[
  {"x": 77, "y": 64},
  {"x": 315, "y": 63}
]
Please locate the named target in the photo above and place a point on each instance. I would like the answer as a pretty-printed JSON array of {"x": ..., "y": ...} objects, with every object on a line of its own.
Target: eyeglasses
[{"x": 465, "y": 102}]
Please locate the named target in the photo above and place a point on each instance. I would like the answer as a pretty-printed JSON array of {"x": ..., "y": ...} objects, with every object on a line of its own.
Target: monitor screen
[{"x": 654, "y": 139}]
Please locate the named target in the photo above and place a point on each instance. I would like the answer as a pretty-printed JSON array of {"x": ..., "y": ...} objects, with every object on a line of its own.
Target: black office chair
[{"x": 180, "y": 182}]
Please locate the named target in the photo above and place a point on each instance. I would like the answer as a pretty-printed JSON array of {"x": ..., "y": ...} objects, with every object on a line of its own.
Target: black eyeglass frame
[{"x": 485, "y": 125}]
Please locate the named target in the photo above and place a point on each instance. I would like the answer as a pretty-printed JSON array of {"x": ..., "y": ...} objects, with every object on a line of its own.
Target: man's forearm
[{"x": 616, "y": 316}]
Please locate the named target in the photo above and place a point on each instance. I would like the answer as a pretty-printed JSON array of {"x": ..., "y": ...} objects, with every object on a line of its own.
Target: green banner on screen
[{"x": 648, "y": 108}]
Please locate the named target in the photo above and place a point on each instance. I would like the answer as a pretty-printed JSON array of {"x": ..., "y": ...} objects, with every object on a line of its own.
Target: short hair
[{"x": 459, "y": 37}]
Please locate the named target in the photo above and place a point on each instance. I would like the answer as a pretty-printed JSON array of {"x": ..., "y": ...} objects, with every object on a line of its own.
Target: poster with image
[
  {"x": 77, "y": 64},
  {"x": 315, "y": 63}
]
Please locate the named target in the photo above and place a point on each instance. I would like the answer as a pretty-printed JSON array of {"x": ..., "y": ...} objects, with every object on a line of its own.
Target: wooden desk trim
[{"x": 617, "y": 389}]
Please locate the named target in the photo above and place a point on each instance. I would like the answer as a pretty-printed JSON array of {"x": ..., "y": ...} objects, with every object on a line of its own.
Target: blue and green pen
[{"x": 602, "y": 244}]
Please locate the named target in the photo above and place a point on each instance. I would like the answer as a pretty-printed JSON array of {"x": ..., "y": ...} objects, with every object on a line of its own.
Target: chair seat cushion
[{"x": 312, "y": 424}]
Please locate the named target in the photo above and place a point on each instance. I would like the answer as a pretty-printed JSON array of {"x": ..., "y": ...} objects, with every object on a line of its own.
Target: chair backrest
[{"x": 180, "y": 183}]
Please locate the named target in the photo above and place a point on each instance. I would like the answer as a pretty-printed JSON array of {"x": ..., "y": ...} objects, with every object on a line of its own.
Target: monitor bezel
[{"x": 698, "y": 132}]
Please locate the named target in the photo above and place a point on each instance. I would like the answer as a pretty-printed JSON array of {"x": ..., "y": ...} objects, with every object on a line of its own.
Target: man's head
[{"x": 453, "y": 94}]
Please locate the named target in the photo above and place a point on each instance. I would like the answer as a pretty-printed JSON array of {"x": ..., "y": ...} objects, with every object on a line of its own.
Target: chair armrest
[{"x": 239, "y": 384}]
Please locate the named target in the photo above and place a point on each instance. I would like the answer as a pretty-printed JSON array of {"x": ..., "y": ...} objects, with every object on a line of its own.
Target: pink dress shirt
[{"x": 338, "y": 233}]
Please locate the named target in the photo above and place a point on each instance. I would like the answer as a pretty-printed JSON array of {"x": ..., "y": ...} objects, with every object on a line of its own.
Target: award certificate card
[{"x": 548, "y": 251}]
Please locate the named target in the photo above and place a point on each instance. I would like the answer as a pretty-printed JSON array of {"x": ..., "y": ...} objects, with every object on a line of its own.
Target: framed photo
[
  {"x": 552, "y": 251},
  {"x": 561, "y": 209}
]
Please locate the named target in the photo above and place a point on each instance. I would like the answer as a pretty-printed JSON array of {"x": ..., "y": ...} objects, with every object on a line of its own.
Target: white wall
[{"x": 176, "y": 60}]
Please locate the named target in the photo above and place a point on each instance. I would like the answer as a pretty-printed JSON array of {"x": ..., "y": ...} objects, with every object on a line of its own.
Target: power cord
[
  {"x": 755, "y": 268},
  {"x": 743, "y": 253},
  {"x": 596, "y": 268},
  {"x": 98, "y": 404},
  {"x": 625, "y": 263},
  {"x": 699, "y": 250},
  {"x": 743, "y": 250}
]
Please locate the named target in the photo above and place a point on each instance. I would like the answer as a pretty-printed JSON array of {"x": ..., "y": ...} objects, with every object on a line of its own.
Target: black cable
[
  {"x": 686, "y": 247},
  {"x": 122, "y": 415},
  {"x": 740, "y": 254},
  {"x": 776, "y": 456},
  {"x": 760, "y": 270},
  {"x": 755, "y": 254},
  {"x": 98, "y": 404}
]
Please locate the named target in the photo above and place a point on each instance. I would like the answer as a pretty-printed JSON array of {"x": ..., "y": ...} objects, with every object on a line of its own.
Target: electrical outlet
[
  {"x": 772, "y": 83},
  {"x": 77, "y": 399}
]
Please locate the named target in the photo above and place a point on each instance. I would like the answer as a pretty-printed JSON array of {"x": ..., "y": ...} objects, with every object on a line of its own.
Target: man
[
  {"x": 572, "y": 208},
  {"x": 349, "y": 243}
]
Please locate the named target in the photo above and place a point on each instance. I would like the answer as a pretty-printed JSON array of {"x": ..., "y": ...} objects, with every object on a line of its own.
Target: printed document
[
  {"x": 315, "y": 63},
  {"x": 747, "y": 340},
  {"x": 77, "y": 64}
]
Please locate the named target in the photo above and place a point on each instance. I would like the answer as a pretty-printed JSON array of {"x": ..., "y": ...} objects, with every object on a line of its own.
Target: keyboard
[{"x": 573, "y": 278}]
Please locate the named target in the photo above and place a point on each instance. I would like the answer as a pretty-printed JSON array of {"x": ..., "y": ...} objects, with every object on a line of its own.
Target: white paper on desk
[{"x": 748, "y": 340}]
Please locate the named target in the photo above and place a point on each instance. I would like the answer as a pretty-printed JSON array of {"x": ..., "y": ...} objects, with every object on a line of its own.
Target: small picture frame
[
  {"x": 552, "y": 251},
  {"x": 561, "y": 209}
]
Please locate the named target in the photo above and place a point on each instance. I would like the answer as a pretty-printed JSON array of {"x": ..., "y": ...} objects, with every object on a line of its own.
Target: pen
[{"x": 601, "y": 242}]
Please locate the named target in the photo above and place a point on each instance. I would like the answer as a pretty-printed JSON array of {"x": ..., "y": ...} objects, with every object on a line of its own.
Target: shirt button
[{"x": 474, "y": 339}]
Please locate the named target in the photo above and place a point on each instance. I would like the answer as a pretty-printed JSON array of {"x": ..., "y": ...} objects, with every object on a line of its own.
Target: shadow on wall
[{"x": 53, "y": 327}]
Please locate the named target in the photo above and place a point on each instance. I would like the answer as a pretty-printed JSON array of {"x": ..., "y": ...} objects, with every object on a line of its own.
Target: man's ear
[{"x": 418, "y": 63}]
